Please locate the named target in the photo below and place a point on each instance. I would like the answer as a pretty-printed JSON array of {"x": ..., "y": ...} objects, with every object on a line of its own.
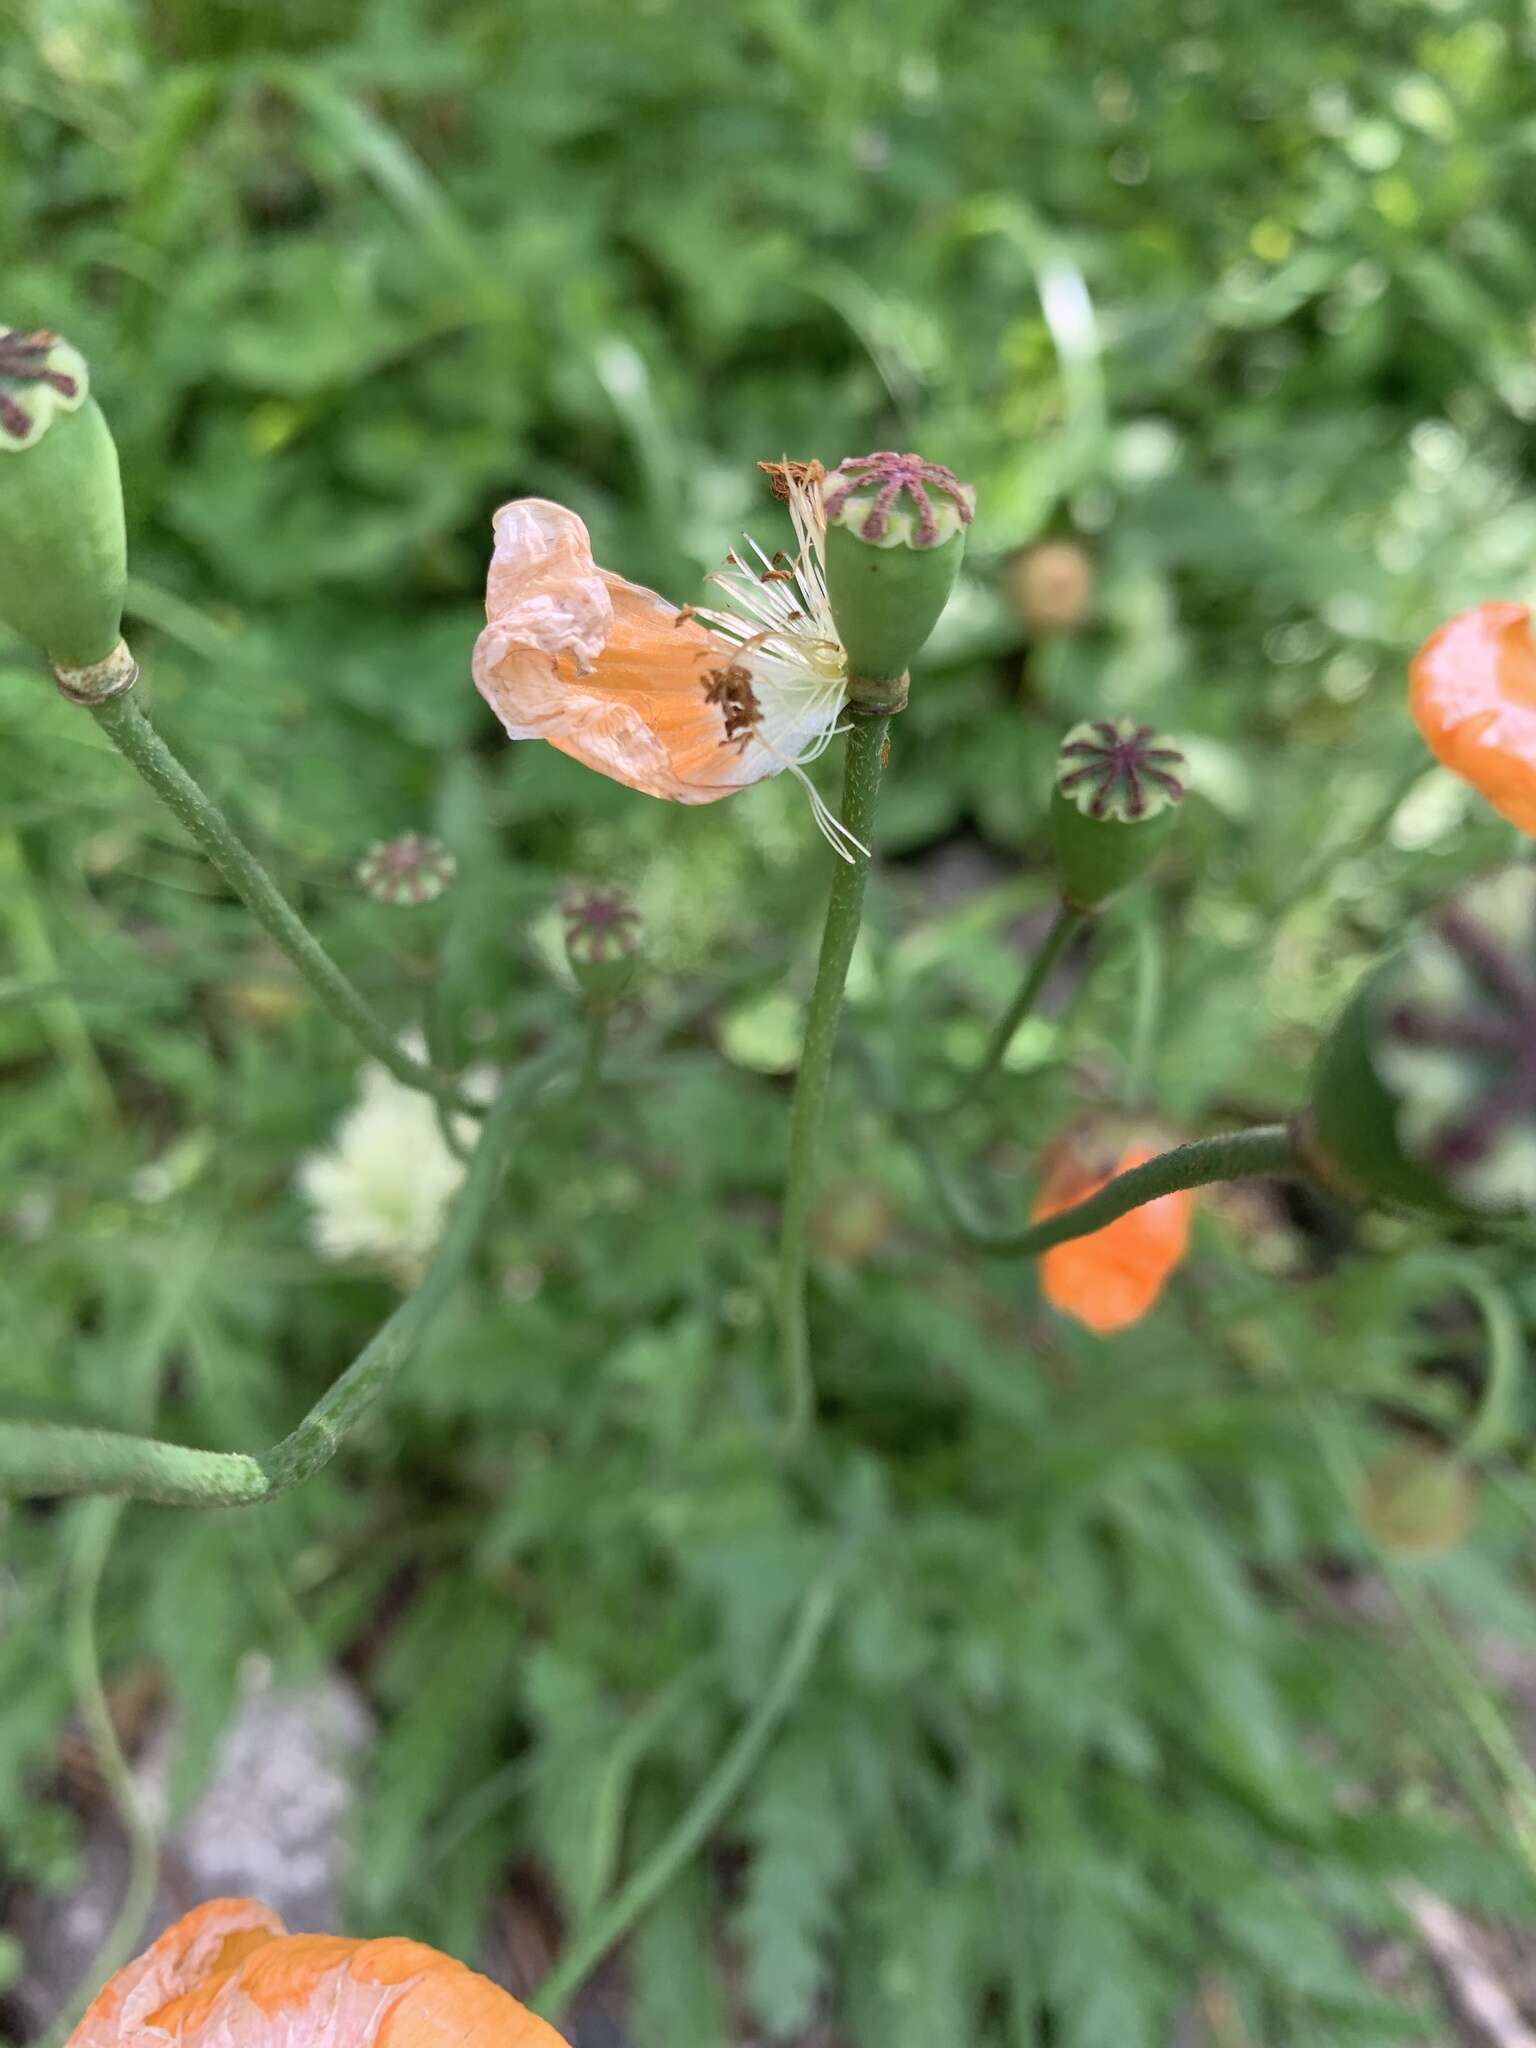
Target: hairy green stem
[
  {"x": 1052, "y": 946},
  {"x": 863, "y": 765},
  {"x": 1236, "y": 1155},
  {"x": 40, "y": 1458},
  {"x": 127, "y": 725},
  {"x": 614, "y": 1920}
]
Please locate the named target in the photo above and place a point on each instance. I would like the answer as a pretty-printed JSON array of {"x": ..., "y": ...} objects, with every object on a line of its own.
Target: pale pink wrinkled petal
[{"x": 602, "y": 668}]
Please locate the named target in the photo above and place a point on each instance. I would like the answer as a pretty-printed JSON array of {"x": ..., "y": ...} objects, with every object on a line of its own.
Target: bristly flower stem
[
  {"x": 863, "y": 765},
  {"x": 128, "y": 727}
]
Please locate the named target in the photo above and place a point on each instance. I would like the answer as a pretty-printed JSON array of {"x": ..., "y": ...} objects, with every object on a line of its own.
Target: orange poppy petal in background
[
  {"x": 1108, "y": 1280},
  {"x": 1473, "y": 697},
  {"x": 605, "y": 670},
  {"x": 227, "y": 1976}
]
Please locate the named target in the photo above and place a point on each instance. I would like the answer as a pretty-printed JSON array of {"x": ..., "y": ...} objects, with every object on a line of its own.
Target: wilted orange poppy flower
[
  {"x": 1473, "y": 695},
  {"x": 227, "y": 1976},
  {"x": 689, "y": 704},
  {"x": 1109, "y": 1280}
]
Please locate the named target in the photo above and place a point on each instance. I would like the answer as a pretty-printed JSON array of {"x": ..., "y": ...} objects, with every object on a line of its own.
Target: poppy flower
[
  {"x": 1473, "y": 697},
  {"x": 688, "y": 703},
  {"x": 1109, "y": 1279},
  {"x": 227, "y": 1976}
]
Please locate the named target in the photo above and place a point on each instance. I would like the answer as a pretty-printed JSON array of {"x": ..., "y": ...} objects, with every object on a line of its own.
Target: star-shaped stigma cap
[
  {"x": 63, "y": 551},
  {"x": 1118, "y": 787},
  {"x": 896, "y": 528},
  {"x": 1424, "y": 1093}
]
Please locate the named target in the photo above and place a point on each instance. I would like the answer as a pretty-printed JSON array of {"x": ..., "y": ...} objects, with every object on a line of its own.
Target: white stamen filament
[{"x": 783, "y": 633}]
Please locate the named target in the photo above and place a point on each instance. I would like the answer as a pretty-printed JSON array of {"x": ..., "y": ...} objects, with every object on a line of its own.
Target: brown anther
[
  {"x": 782, "y": 475},
  {"x": 731, "y": 689}
]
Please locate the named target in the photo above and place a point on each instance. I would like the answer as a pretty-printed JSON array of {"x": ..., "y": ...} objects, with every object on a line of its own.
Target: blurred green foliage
[{"x": 1237, "y": 300}]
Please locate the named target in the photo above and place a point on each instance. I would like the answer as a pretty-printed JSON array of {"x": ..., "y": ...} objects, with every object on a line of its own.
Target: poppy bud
[
  {"x": 63, "y": 551},
  {"x": 895, "y": 536},
  {"x": 1423, "y": 1093},
  {"x": 602, "y": 943},
  {"x": 1117, "y": 792}
]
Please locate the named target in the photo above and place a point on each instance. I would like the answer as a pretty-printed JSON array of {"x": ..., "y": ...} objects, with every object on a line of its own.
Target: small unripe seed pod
[
  {"x": 602, "y": 943},
  {"x": 1417, "y": 1501},
  {"x": 895, "y": 537},
  {"x": 1117, "y": 793},
  {"x": 1052, "y": 586},
  {"x": 406, "y": 872},
  {"x": 63, "y": 547}
]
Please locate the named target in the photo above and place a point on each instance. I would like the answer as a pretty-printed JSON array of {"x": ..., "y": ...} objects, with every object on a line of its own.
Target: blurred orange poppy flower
[
  {"x": 227, "y": 1976},
  {"x": 1109, "y": 1279},
  {"x": 1473, "y": 696},
  {"x": 685, "y": 703}
]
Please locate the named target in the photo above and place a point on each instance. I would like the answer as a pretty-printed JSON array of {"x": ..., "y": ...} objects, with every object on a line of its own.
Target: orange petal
[
  {"x": 1109, "y": 1279},
  {"x": 1473, "y": 697},
  {"x": 233, "y": 1979},
  {"x": 206, "y": 1942},
  {"x": 605, "y": 670}
]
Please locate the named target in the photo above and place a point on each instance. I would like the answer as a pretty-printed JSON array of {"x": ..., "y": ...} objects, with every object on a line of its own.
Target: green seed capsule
[
  {"x": 1117, "y": 793},
  {"x": 63, "y": 548},
  {"x": 895, "y": 537},
  {"x": 1424, "y": 1092},
  {"x": 602, "y": 943}
]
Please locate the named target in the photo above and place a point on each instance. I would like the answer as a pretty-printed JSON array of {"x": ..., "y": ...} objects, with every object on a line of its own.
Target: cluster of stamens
[
  {"x": 25, "y": 361},
  {"x": 1124, "y": 770},
  {"x": 889, "y": 475}
]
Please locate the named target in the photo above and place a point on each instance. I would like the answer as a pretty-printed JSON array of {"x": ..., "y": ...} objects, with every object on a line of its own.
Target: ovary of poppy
[
  {"x": 227, "y": 1976},
  {"x": 1109, "y": 1279},
  {"x": 1473, "y": 696},
  {"x": 689, "y": 704}
]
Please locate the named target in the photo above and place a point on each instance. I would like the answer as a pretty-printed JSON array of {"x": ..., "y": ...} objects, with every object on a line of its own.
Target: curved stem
[
  {"x": 93, "y": 1544},
  {"x": 39, "y": 1458},
  {"x": 1497, "y": 1419},
  {"x": 1237, "y": 1155},
  {"x": 127, "y": 725},
  {"x": 692, "y": 1831},
  {"x": 862, "y": 768},
  {"x": 1052, "y": 946}
]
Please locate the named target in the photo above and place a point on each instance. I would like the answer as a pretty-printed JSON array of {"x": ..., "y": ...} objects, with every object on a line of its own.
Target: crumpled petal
[
  {"x": 1108, "y": 1280},
  {"x": 603, "y": 669},
  {"x": 1473, "y": 697},
  {"x": 227, "y": 1976}
]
